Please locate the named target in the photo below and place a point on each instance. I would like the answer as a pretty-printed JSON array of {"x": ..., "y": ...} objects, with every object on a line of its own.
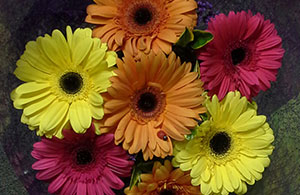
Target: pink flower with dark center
[
  {"x": 81, "y": 163},
  {"x": 245, "y": 55}
]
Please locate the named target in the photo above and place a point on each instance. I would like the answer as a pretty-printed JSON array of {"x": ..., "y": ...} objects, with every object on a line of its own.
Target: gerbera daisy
[
  {"x": 246, "y": 57},
  {"x": 164, "y": 180},
  {"x": 230, "y": 149},
  {"x": 151, "y": 101},
  {"x": 141, "y": 25},
  {"x": 64, "y": 81},
  {"x": 81, "y": 163}
]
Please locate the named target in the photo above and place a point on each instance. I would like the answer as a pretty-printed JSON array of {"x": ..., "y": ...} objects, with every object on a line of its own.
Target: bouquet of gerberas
[{"x": 172, "y": 109}]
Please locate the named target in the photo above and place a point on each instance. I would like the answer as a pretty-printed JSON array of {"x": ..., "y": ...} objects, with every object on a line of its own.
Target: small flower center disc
[
  {"x": 83, "y": 157},
  {"x": 238, "y": 55},
  {"x": 142, "y": 16},
  {"x": 147, "y": 102},
  {"x": 71, "y": 82},
  {"x": 220, "y": 143}
]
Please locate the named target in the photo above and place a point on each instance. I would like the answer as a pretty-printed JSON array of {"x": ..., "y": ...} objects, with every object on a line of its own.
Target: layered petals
[
  {"x": 230, "y": 149},
  {"x": 245, "y": 58}
]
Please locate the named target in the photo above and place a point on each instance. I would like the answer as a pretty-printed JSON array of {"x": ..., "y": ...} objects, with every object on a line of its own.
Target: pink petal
[
  {"x": 68, "y": 188},
  {"x": 253, "y": 25},
  {"x": 224, "y": 88},
  {"x": 249, "y": 77},
  {"x": 112, "y": 180},
  {"x": 81, "y": 188},
  {"x": 269, "y": 64},
  {"x": 49, "y": 173},
  {"x": 45, "y": 164},
  {"x": 56, "y": 184}
]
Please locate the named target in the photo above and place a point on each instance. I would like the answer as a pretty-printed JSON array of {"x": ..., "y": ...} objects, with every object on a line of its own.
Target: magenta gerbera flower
[
  {"x": 245, "y": 55},
  {"x": 81, "y": 163}
]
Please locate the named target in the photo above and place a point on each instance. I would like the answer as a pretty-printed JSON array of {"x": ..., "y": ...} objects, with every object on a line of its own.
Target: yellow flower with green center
[
  {"x": 229, "y": 150},
  {"x": 64, "y": 79}
]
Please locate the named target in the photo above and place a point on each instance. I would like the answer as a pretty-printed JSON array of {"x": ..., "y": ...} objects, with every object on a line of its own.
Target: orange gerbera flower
[
  {"x": 141, "y": 25},
  {"x": 164, "y": 180},
  {"x": 151, "y": 101}
]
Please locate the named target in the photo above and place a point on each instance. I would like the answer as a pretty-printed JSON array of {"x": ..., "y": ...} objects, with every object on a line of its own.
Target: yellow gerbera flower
[
  {"x": 64, "y": 79},
  {"x": 164, "y": 180},
  {"x": 230, "y": 149}
]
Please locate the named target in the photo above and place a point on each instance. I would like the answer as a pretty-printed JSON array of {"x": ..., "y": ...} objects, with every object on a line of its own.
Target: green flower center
[
  {"x": 238, "y": 55},
  {"x": 71, "y": 82},
  {"x": 83, "y": 157},
  {"x": 220, "y": 143},
  {"x": 147, "y": 102},
  {"x": 142, "y": 16}
]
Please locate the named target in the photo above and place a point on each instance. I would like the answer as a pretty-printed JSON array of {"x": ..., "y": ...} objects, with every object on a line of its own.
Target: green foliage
[
  {"x": 201, "y": 38},
  {"x": 194, "y": 39}
]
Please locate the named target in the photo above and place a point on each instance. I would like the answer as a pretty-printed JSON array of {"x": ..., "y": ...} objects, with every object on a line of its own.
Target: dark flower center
[
  {"x": 83, "y": 157},
  {"x": 238, "y": 55},
  {"x": 142, "y": 16},
  {"x": 71, "y": 82},
  {"x": 167, "y": 192},
  {"x": 220, "y": 143},
  {"x": 147, "y": 102}
]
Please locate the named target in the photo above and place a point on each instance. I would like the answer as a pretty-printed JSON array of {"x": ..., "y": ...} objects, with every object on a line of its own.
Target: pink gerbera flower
[
  {"x": 81, "y": 163},
  {"x": 245, "y": 55}
]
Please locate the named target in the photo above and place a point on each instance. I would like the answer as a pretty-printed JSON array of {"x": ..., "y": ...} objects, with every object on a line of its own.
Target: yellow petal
[
  {"x": 205, "y": 188},
  {"x": 97, "y": 112},
  {"x": 39, "y": 105},
  {"x": 81, "y": 50},
  {"x": 57, "y": 112},
  {"x": 84, "y": 114},
  {"x": 31, "y": 87},
  {"x": 27, "y": 73},
  {"x": 226, "y": 179},
  {"x": 254, "y": 123},
  {"x": 53, "y": 52},
  {"x": 198, "y": 168},
  {"x": 74, "y": 118},
  {"x": 244, "y": 118},
  {"x": 95, "y": 98}
]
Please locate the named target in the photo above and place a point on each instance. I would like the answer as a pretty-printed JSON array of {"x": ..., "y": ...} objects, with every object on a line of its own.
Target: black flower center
[
  {"x": 167, "y": 192},
  {"x": 142, "y": 16},
  {"x": 147, "y": 102},
  {"x": 220, "y": 143},
  {"x": 238, "y": 55},
  {"x": 71, "y": 82},
  {"x": 83, "y": 157}
]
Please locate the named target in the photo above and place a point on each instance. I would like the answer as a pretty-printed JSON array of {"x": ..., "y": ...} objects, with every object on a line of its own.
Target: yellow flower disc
[
  {"x": 229, "y": 150},
  {"x": 64, "y": 79}
]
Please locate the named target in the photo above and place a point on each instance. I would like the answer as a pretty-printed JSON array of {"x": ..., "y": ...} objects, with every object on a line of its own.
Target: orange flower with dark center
[
  {"x": 164, "y": 181},
  {"x": 141, "y": 25},
  {"x": 150, "y": 102}
]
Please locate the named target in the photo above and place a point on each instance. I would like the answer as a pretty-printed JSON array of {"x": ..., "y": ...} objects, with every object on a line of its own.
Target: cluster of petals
[
  {"x": 150, "y": 102},
  {"x": 81, "y": 163},
  {"x": 245, "y": 55},
  {"x": 137, "y": 26},
  {"x": 231, "y": 149},
  {"x": 64, "y": 79},
  {"x": 164, "y": 179}
]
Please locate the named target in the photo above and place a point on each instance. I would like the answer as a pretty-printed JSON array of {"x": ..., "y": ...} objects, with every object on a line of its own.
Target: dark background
[{"x": 25, "y": 20}]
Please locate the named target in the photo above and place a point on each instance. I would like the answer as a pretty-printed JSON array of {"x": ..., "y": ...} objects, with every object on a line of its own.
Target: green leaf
[
  {"x": 135, "y": 176},
  {"x": 185, "y": 38},
  {"x": 197, "y": 68},
  {"x": 201, "y": 38},
  {"x": 192, "y": 135},
  {"x": 204, "y": 117}
]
